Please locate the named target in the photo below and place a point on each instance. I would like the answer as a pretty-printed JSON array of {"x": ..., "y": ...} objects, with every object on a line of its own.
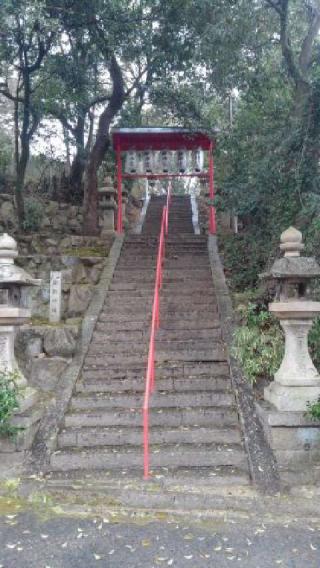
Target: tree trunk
[
  {"x": 76, "y": 177},
  {"x": 19, "y": 185},
  {"x": 90, "y": 203},
  {"x": 102, "y": 142}
]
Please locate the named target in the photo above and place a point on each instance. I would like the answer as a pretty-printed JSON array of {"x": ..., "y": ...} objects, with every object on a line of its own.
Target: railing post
[
  {"x": 150, "y": 376},
  {"x": 212, "y": 210},
  {"x": 146, "y": 443},
  {"x": 119, "y": 183}
]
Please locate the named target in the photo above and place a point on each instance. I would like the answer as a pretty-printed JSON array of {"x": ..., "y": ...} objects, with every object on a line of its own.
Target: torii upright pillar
[
  {"x": 119, "y": 191},
  {"x": 212, "y": 210}
]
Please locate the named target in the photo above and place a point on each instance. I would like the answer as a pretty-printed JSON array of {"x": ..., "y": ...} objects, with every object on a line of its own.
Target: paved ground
[{"x": 29, "y": 540}]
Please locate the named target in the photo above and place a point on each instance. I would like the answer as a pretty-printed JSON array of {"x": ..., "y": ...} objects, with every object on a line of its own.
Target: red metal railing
[{"x": 150, "y": 376}]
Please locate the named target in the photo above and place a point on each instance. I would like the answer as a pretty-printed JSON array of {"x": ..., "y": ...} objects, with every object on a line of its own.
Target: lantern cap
[
  {"x": 292, "y": 266},
  {"x": 291, "y": 242},
  {"x": 9, "y": 272},
  {"x": 8, "y": 247}
]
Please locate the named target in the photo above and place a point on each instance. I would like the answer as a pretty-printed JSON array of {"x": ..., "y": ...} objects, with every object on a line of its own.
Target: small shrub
[
  {"x": 8, "y": 403},
  {"x": 244, "y": 257},
  {"x": 313, "y": 410},
  {"x": 314, "y": 343},
  {"x": 33, "y": 215},
  {"x": 258, "y": 343}
]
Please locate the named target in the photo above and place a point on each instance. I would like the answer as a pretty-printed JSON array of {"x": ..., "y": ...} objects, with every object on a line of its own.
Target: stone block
[
  {"x": 94, "y": 275},
  {"x": 299, "y": 438},
  {"x": 7, "y": 213},
  {"x": 80, "y": 296},
  {"x": 29, "y": 424},
  {"x": 52, "y": 207},
  {"x": 28, "y": 338},
  {"x": 65, "y": 243},
  {"x": 60, "y": 341},
  {"x": 293, "y": 436},
  {"x": 45, "y": 373},
  {"x": 293, "y": 398},
  {"x": 79, "y": 274},
  {"x": 66, "y": 279}
]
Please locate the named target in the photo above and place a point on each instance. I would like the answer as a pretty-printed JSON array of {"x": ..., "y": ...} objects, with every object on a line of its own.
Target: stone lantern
[
  {"x": 182, "y": 161},
  {"x": 197, "y": 160},
  {"x": 148, "y": 161},
  {"x": 165, "y": 160},
  {"x": 14, "y": 311},
  {"x": 107, "y": 206},
  {"x": 297, "y": 381},
  {"x": 131, "y": 163}
]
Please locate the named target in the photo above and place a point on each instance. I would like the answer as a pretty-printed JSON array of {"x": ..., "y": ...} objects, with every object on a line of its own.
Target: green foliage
[
  {"x": 258, "y": 343},
  {"x": 33, "y": 215},
  {"x": 244, "y": 258},
  {"x": 5, "y": 156},
  {"x": 8, "y": 403},
  {"x": 313, "y": 410},
  {"x": 314, "y": 343}
]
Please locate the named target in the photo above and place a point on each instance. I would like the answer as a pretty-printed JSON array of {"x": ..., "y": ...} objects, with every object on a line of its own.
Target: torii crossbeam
[{"x": 157, "y": 139}]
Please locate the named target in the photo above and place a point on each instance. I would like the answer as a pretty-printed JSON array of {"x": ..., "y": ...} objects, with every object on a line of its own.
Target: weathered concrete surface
[
  {"x": 108, "y": 398},
  {"x": 46, "y": 437},
  {"x": 39, "y": 529},
  {"x": 263, "y": 466},
  {"x": 295, "y": 440}
]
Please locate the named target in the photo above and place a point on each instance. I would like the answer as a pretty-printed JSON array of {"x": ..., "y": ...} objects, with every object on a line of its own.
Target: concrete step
[
  {"x": 202, "y": 455},
  {"x": 198, "y": 312},
  {"x": 162, "y": 490},
  {"x": 115, "y": 359},
  {"x": 176, "y": 370},
  {"x": 189, "y": 324},
  {"x": 182, "y": 335},
  {"x": 168, "y": 302},
  {"x": 201, "y": 416},
  {"x": 100, "y": 358},
  {"x": 121, "y": 318},
  {"x": 134, "y": 311},
  {"x": 102, "y": 345},
  {"x": 183, "y": 261},
  {"x": 91, "y": 384},
  {"x": 90, "y": 437},
  {"x": 158, "y": 400},
  {"x": 109, "y": 326}
]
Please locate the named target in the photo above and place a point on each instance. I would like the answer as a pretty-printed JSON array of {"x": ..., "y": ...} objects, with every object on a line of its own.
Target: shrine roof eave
[{"x": 160, "y": 139}]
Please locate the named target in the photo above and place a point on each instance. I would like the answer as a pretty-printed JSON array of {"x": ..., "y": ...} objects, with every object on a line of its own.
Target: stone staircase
[{"x": 194, "y": 425}]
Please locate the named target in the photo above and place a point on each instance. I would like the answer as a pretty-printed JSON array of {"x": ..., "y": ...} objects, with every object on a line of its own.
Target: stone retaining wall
[
  {"x": 79, "y": 276},
  {"x": 44, "y": 351},
  {"x": 55, "y": 216}
]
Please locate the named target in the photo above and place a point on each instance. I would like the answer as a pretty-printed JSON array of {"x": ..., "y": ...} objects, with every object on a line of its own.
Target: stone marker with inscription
[{"x": 55, "y": 297}]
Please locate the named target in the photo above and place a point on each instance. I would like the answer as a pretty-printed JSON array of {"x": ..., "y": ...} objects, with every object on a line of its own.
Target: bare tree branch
[
  {"x": 305, "y": 56},
  {"x": 275, "y": 5}
]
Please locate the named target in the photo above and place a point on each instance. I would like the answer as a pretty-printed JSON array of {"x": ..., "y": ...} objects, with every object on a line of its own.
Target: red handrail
[{"x": 150, "y": 375}]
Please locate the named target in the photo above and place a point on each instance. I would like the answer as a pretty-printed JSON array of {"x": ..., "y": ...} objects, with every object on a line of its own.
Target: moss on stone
[{"x": 98, "y": 250}]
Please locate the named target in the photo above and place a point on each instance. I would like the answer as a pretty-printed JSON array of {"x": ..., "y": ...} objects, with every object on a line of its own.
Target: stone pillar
[
  {"x": 124, "y": 203},
  {"x": 14, "y": 312},
  {"x": 297, "y": 381},
  {"x": 107, "y": 207},
  {"x": 293, "y": 436}
]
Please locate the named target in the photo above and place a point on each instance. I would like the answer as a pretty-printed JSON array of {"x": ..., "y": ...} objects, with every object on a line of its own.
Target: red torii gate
[{"x": 142, "y": 139}]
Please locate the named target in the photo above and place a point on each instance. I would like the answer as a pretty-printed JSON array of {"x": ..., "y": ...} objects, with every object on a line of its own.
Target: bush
[
  {"x": 33, "y": 215},
  {"x": 8, "y": 403},
  {"x": 244, "y": 257},
  {"x": 258, "y": 343},
  {"x": 314, "y": 343},
  {"x": 313, "y": 410}
]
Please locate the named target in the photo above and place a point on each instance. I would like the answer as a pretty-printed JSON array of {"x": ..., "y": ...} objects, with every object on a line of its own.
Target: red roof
[{"x": 160, "y": 139}]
